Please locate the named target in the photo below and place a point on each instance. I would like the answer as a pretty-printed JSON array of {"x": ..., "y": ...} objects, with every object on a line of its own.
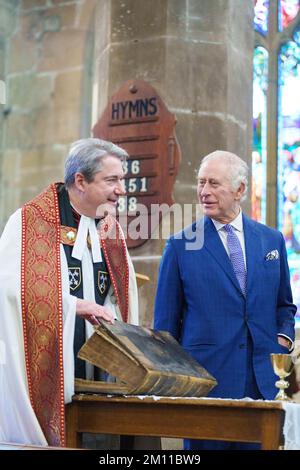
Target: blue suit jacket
[{"x": 200, "y": 303}]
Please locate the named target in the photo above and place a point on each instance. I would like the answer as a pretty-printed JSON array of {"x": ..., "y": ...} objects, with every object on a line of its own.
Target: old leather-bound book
[{"x": 144, "y": 362}]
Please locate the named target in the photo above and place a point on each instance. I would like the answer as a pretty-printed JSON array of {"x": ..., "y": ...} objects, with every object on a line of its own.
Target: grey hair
[
  {"x": 238, "y": 170},
  {"x": 85, "y": 157}
]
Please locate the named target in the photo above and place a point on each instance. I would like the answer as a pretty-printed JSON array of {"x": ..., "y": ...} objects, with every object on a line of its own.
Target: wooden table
[{"x": 196, "y": 418}]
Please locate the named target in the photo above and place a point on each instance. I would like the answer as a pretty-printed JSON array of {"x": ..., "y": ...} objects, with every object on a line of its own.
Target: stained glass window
[
  {"x": 287, "y": 12},
  {"x": 260, "y": 84},
  {"x": 289, "y": 155},
  {"x": 276, "y": 125},
  {"x": 261, "y": 11}
]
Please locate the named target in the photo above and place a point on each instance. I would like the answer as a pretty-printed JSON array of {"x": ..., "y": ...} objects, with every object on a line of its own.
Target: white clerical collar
[
  {"x": 87, "y": 227},
  {"x": 236, "y": 223}
]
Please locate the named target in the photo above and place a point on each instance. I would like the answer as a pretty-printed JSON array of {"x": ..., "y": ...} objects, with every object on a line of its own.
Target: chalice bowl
[{"x": 282, "y": 366}]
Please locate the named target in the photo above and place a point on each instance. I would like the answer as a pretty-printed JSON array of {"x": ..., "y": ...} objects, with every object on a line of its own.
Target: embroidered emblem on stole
[
  {"x": 102, "y": 281},
  {"x": 74, "y": 278}
]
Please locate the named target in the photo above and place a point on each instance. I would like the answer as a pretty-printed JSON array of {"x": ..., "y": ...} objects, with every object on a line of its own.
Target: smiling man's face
[
  {"x": 100, "y": 196},
  {"x": 215, "y": 192}
]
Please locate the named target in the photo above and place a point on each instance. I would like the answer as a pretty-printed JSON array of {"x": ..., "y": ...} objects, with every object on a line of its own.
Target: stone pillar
[
  {"x": 49, "y": 50},
  {"x": 64, "y": 59},
  {"x": 198, "y": 56},
  {"x": 8, "y": 20}
]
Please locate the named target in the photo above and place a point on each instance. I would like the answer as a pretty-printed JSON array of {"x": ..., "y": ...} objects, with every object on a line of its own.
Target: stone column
[
  {"x": 198, "y": 56},
  {"x": 64, "y": 59},
  {"x": 8, "y": 20},
  {"x": 49, "y": 49}
]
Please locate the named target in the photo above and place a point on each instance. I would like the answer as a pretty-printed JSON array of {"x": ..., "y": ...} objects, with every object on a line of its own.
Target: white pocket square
[{"x": 272, "y": 255}]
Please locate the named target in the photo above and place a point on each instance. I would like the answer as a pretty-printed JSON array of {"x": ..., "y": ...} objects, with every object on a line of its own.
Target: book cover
[{"x": 144, "y": 361}]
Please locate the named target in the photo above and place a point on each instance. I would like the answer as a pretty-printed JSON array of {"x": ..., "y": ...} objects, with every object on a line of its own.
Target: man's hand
[
  {"x": 91, "y": 311},
  {"x": 284, "y": 342}
]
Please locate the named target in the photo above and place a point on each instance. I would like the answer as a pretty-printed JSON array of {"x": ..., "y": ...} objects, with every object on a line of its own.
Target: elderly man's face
[{"x": 215, "y": 193}]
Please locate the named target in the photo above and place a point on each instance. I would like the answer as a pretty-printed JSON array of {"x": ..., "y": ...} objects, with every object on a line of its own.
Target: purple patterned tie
[{"x": 236, "y": 256}]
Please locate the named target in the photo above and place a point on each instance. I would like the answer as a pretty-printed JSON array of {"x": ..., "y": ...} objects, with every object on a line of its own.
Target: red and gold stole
[{"x": 41, "y": 297}]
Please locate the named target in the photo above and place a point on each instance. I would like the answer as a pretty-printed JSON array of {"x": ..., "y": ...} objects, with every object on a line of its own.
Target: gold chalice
[{"x": 282, "y": 366}]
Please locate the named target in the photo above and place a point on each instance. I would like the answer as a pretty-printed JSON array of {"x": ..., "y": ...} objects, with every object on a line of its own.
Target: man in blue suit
[{"x": 228, "y": 302}]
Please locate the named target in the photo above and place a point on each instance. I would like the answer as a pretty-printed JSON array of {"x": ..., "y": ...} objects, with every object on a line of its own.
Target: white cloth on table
[{"x": 291, "y": 428}]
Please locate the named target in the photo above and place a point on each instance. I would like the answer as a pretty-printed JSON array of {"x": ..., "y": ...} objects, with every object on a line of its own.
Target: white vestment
[{"x": 18, "y": 422}]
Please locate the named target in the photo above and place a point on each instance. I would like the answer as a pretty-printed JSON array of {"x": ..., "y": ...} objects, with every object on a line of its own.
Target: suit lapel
[
  {"x": 214, "y": 245},
  {"x": 253, "y": 248}
]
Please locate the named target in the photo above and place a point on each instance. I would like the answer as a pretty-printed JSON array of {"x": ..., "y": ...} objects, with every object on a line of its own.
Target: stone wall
[
  {"x": 8, "y": 20},
  {"x": 198, "y": 56},
  {"x": 62, "y": 60},
  {"x": 46, "y": 58}
]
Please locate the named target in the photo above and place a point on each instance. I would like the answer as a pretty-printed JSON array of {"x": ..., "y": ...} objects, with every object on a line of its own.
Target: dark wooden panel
[{"x": 137, "y": 119}]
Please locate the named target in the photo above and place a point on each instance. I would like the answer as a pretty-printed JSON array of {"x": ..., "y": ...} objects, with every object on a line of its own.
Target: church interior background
[{"x": 228, "y": 69}]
